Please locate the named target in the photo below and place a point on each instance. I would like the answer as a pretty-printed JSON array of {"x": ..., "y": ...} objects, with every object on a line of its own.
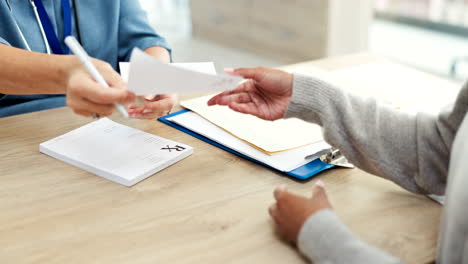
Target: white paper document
[
  {"x": 116, "y": 152},
  {"x": 150, "y": 76},
  {"x": 203, "y": 67},
  {"x": 284, "y": 161}
]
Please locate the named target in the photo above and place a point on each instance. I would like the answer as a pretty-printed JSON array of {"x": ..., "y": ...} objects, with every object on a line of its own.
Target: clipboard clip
[{"x": 335, "y": 157}]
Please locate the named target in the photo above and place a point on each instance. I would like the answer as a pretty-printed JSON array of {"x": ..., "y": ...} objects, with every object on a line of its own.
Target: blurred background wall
[{"x": 431, "y": 35}]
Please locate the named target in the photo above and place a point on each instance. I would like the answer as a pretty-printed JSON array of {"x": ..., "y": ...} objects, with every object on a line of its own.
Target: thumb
[
  {"x": 320, "y": 194},
  {"x": 256, "y": 74},
  {"x": 151, "y": 98}
]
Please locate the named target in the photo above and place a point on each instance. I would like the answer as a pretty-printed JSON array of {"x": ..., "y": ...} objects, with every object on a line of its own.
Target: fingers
[
  {"x": 113, "y": 79},
  {"x": 245, "y": 88},
  {"x": 291, "y": 211},
  {"x": 320, "y": 197},
  {"x": 230, "y": 71},
  {"x": 83, "y": 113},
  {"x": 153, "y": 110},
  {"x": 151, "y": 98},
  {"x": 273, "y": 211},
  {"x": 86, "y": 97},
  {"x": 287, "y": 213},
  {"x": 284, "y": 198},
  {"x": 214, "y": 99},
  {"x": 240, "y": 98},
  {"x": 256, "y": 74},
  {"x": 82, "y": 85},
  {"x": 319, "y": 190},
  {"x": 86, "y": 108},
  {"x": 249, "y": 108},
  {"x": 280, "y": 192},
  {"x": 96, "y": 93}
]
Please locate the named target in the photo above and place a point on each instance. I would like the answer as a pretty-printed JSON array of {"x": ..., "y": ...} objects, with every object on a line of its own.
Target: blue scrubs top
[{"x": 108, "y": 30}]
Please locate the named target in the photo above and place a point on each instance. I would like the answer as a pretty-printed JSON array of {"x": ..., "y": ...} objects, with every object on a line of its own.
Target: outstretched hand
[
  {"x": 155, "y": 106},
  {"x": 266, "y": 94}
]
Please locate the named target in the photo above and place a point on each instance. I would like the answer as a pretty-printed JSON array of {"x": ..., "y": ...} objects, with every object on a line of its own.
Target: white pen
[{"x": 76, "y": 48}]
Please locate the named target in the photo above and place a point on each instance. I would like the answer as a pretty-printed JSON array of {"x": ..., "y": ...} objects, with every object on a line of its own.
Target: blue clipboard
[{"x": 304, "y": 172}]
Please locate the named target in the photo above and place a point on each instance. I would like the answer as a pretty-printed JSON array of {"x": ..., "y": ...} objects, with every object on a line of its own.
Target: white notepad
[{"x": 116, "y": 152}]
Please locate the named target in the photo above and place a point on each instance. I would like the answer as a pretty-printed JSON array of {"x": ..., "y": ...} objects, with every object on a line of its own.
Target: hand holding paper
[{"x": 266, "y": 96}]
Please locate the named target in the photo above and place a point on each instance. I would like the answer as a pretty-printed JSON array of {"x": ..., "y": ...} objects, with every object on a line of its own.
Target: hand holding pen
[{"x": 94, "y": 89}]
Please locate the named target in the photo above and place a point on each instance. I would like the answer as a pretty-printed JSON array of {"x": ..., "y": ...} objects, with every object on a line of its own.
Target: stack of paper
[
  {"x": 283, "y": 161},
  {"x": 268, "y": 136},
  {"x": 116, "y": 152}
]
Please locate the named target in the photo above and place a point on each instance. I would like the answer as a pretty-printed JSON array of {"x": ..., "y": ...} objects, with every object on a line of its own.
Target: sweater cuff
[
  {"x": 324, "y": 239},
  {"x": 310, "y": 95},
  {"x": 321, "y": 234}
]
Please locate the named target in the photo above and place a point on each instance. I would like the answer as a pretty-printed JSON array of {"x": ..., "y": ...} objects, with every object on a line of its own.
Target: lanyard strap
[{"x": 52, "y": 37}]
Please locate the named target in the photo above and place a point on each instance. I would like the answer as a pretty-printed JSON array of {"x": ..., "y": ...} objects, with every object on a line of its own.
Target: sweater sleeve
[
  {"x": 324, "y": 239},
  {"x": 410, "y": 149}
]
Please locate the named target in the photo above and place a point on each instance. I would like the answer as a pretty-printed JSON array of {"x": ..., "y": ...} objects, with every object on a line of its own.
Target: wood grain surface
[{"x": 209, "y": 208}]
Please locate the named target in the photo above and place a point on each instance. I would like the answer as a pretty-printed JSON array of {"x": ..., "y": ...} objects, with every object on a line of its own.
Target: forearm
[
  {"x": 160, "y": 53},
  {"x": 404, "y": 148},
  {"x": 136, "y": 32},
  {"x": 324, "y": 239},
  {"x": 25, "y": 72}
]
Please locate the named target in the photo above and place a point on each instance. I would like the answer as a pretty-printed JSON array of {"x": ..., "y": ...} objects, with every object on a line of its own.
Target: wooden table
[{"x": 209, "y": 208}]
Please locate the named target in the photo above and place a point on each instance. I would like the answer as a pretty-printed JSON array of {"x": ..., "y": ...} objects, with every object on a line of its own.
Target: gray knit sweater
[{"x": 422, "y": 153}]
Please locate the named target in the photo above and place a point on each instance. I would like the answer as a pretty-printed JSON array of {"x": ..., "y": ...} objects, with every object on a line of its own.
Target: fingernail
[
  {"x": 150, "y": 97},
  {"x": 320, "y": 183},
  {"x": 283, "y": 188},
  {"x": 230, "y": 71},
  {"x": 273, "y": 208}
]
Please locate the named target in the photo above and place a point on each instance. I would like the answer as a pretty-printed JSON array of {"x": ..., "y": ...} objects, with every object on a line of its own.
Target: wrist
[
  {"x": 67, "y": 65},
  {"x": 290, "y": 84}
]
